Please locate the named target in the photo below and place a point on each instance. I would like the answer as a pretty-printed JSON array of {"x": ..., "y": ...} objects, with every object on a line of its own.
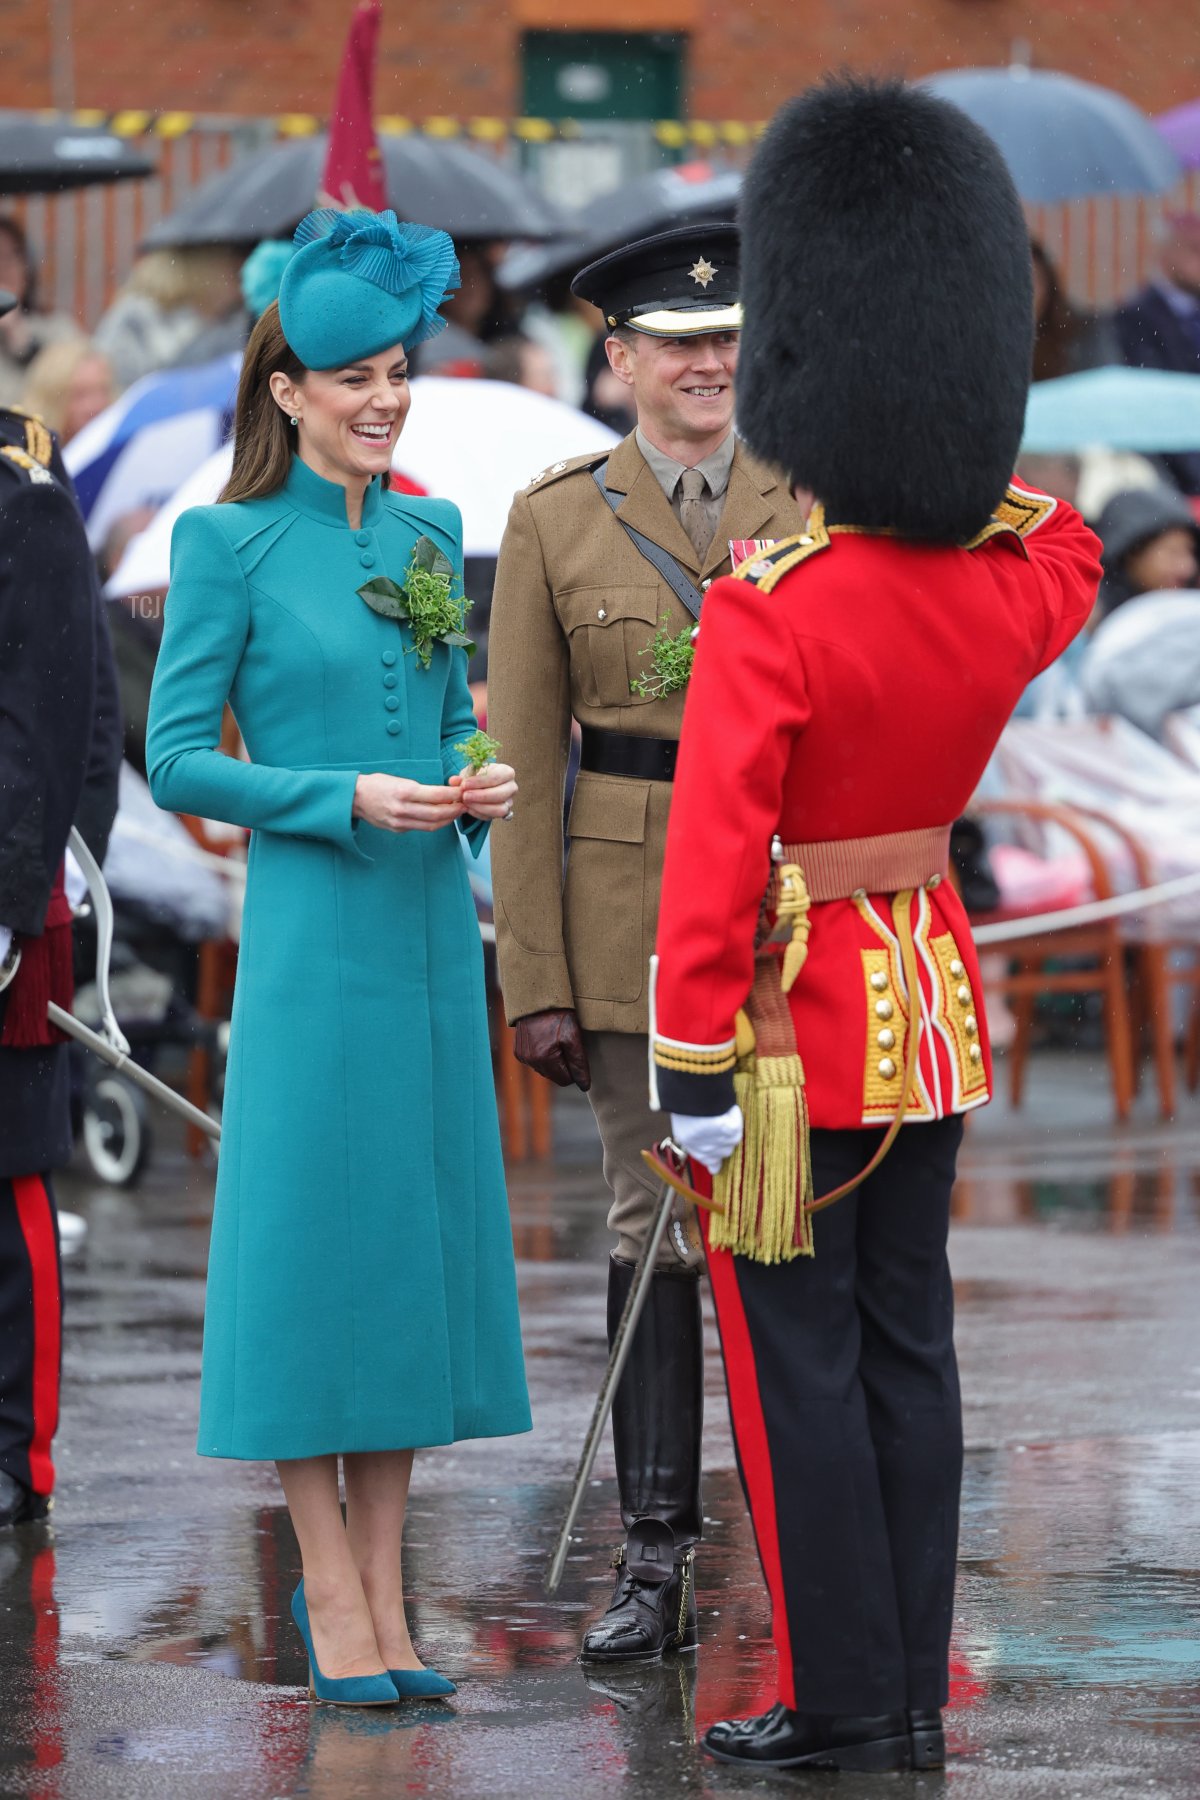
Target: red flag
[{"x": 353, "y": 166}]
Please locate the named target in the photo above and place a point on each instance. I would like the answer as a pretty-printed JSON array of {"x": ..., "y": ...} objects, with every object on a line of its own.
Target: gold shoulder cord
[{"x": 36, "y": 471}]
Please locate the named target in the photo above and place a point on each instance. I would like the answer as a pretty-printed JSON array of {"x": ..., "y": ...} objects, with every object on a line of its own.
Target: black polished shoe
[
  {"x": 927, "y": 1737},
  {"x": 653, "y": 1606},
  {"x": 781, "y": 1739},
  {"x": 18, "y": 1506}
]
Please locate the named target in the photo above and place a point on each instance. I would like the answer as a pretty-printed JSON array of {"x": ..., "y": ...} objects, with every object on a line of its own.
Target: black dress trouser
[
  {"x": 30, "y": 1330},
  {"x": 844, "y": 1395}
]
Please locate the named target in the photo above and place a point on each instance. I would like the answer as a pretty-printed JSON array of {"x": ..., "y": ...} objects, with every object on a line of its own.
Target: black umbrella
[
  {"x": 689, "y": 193},
  {"x": 39, "y": 156},
  {"x": 429, "y": 182}
]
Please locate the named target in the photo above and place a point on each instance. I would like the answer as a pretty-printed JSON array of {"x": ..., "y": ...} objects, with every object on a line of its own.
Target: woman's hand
[
  {"x": 489, "y": 794},
  {"x": 398, "y": 805}
]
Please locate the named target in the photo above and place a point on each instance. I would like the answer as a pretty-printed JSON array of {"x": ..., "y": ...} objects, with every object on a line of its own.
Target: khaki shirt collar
[{"x": 715, "y": 468}]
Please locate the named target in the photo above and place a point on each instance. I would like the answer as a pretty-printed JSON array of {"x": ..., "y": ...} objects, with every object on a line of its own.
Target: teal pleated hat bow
[{"x": 359, "y": 282}]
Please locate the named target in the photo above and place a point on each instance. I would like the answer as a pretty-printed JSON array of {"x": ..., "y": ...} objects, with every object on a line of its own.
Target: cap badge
[{"x": 702, "y": 271}]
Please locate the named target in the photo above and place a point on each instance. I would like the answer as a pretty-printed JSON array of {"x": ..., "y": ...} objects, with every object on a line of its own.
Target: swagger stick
[
  {"x": 617, "y": 1358},
  {"x": 110, "y": 1042},
  {"x": 132, "y": 1071},
  {"x": 669, "y": 1163}
]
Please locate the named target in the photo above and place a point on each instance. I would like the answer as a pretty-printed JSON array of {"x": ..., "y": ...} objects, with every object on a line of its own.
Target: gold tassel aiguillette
[{"x": 763, "y": 1187}]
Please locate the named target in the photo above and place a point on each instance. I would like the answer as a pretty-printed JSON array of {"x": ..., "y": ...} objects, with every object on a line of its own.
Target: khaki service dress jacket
[{"x": 575, "y": 605}]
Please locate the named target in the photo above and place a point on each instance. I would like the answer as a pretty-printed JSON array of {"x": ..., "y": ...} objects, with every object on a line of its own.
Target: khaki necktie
[{"x": 693, "y": 514}]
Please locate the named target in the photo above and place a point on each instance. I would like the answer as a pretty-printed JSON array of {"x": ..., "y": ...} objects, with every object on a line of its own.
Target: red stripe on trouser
[
  {"x": 35, "y": 1213},
  {"x": 754, "y": 1451}
]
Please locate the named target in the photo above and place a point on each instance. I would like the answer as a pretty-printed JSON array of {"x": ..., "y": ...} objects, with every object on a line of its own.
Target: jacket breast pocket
[
  {"x": 608, "y": 628},
  {"x": 605, "y": 890}
]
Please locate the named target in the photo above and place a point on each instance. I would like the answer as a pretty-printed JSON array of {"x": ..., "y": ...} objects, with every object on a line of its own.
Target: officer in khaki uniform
[{"x": 601, "y": 554}]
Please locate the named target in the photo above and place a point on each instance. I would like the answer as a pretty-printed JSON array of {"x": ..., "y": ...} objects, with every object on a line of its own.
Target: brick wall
[{"x": 461, "y": 56}]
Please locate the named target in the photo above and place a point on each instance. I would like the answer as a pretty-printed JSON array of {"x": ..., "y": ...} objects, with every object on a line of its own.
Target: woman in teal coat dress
[{"x": 361, "y": 1292}]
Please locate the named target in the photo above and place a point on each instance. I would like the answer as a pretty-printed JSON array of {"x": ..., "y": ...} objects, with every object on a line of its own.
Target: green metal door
[{"x": 603, "y": 74}]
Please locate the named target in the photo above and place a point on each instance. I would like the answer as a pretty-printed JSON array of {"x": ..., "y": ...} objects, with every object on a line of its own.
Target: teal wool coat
[{"x": 361, "y": 1292}]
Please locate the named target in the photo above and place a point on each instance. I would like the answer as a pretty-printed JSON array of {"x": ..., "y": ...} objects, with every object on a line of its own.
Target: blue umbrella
[
  {"x": 140, "y": 449},
  {"x": 1063, "y": 139},
  {"x": 1123, "y": 409}
]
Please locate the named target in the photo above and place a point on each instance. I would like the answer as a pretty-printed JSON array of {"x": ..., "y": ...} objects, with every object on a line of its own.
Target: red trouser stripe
[
  {"x": 36, "y": 1217},
  {"x": 754, "y": 1450}
]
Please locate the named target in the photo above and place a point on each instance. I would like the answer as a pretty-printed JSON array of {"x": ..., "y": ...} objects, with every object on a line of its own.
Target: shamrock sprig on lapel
[
  {"x": 425, "y": 603},
  {"x": 671, "y": 665}
]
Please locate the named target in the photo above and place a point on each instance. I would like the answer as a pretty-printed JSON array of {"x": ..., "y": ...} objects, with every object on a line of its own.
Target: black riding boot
[{"x": 657, "y": 1419}]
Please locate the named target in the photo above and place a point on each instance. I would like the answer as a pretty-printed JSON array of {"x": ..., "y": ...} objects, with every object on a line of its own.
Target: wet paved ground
[{"x": 145, "y": 1648}]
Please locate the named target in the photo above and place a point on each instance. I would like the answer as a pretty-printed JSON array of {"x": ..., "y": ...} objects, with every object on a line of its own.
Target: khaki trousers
[{"x": 619, "y": 1096}]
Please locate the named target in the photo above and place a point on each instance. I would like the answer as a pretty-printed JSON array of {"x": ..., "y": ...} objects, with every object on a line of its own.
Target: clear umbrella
[{"x": 448, "y": 446}]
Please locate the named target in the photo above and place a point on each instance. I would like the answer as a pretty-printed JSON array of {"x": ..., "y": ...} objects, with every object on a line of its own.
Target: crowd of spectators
[{"x": 190, "y": 306}]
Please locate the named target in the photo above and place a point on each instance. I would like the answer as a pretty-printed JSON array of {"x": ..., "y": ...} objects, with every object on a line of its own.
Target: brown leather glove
[{"x": 552, "y": 1043}]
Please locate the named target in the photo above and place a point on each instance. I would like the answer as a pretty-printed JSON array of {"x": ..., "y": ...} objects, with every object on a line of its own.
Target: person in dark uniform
[
  {"x": 60, "y": 747},
  {"x": 817, "y": 1033},
  {"x": 601, "y": 577}
]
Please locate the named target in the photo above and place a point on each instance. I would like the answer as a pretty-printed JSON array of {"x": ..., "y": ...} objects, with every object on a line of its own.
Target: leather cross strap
[{"x": 679, "y": 584}]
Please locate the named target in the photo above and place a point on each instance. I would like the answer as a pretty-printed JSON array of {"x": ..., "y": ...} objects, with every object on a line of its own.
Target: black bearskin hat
[{"x": 886, "y": 354}]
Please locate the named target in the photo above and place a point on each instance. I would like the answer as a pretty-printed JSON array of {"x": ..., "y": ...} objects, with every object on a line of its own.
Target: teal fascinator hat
[{"x": 358, "y": 282}]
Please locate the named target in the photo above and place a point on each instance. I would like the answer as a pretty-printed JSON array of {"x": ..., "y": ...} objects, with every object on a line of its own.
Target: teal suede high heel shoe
[
  {"x": 421, "y": 1684},
  {"x": 347, "y": 1690}
]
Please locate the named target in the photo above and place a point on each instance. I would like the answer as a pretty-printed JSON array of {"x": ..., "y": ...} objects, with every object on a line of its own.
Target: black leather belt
[{"x": 619, "y": 753}]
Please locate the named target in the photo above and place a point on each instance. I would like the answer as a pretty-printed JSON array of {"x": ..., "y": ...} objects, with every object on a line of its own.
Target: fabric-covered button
[
  {"x": 362, "y": 537},
  {"x": 367, "y": 560},
  {"x": 388, "y": 658},
  {"x": 393, "y": 726},
  {"x": 392, "y": 703},
  {"x": 879, "y": 981},
  {"x": 884, "y": 1009},
  {"x": 390, "y": 681}
]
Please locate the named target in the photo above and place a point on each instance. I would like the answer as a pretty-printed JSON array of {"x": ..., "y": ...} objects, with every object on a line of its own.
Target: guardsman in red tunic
[{"x": 818, "y": 1031}]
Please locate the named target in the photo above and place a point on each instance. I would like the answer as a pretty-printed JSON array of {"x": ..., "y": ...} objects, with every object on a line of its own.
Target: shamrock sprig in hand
[
  {"x": 486, "y": 785},
  {"x": 426, "y": 603},
  {"x": 671, "y": 669},
  {"x": 479, "y": 750}
]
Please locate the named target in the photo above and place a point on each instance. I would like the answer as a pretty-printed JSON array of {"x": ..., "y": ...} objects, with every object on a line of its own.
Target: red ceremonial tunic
[{"x": 850, "y": 685}]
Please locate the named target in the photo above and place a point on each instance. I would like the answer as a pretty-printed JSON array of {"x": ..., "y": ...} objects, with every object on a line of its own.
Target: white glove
[
  {"x": 75, "y": 882},
  {"x": 708, "y": 1140}
]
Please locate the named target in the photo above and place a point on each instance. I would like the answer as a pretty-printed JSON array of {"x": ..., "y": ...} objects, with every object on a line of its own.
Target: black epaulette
[
  {"x": 770, "y": 566},
  {"x": 557, "y": 470}
]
